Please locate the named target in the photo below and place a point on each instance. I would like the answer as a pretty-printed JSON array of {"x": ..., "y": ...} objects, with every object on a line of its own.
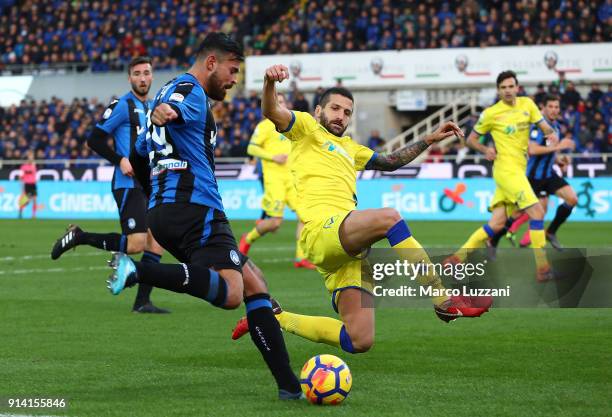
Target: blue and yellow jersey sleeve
[{"x": 301, "y": 126}]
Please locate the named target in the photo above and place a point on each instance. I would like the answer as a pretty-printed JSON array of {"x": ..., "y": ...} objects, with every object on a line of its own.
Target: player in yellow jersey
[
  {"x": 509, "y": 122},
  {"x": 335, "y": 233},
  {"x": 273, "y": 149}
]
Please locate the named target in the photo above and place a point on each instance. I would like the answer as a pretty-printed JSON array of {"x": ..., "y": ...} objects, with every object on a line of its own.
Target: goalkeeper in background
[{"x": 273, "y": 148}]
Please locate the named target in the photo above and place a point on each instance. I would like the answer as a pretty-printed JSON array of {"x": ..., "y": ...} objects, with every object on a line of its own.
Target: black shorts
[
  {"x": 132, "y": 205},
  {"x": 193, "y": 233},
  {"x": 547, "y": 186},
  {"x": 30, "y": 190}
]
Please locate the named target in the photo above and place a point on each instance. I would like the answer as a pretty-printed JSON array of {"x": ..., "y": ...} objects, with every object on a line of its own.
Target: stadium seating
[
  {"x": 58, "y": 130},
  {"x": 107, "y": 35}
]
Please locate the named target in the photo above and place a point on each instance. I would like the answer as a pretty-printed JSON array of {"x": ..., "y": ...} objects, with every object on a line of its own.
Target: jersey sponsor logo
[
  {"x": 131, "y": 223},
  {"x": 510, "y": 129},
  {"x": 176, "y": 97},
  {"x": 140, "y": 130},
  {"x": 331, "y": 147},
  {"x": 234, "y": 257},
  {"x": 171, "y": 164},
  {"x": 138, "y": 111}
]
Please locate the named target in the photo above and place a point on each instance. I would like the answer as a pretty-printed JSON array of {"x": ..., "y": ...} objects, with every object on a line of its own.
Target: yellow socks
[
  {"x": 400, "y": 237},
  {"x": 252, "y": 236},
  {"x": 299, "y": 253},
  {"x": 475, "y": 241},
  {"x": 538, "y": 240},
  {"x": 316, "y": 328}
]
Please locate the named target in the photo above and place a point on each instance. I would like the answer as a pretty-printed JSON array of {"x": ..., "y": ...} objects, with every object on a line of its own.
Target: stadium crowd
[
  {"x": 105, "y": 35},
  {"x": 59, "y": 130}
]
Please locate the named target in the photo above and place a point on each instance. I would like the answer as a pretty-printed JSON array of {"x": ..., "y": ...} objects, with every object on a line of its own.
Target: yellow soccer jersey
[
  {"x": 273, "y": 143},
  {"x": 509, "y": 126},
  {"x": 324, "y": 167}
]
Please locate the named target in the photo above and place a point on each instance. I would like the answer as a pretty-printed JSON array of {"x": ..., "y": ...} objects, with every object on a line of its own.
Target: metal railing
[{"x": 459, "y": 110}]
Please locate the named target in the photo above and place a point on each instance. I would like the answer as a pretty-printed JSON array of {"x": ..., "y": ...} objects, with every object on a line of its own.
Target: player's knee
[
  {"x": 362, "y": 342},
  {"x": 388, "y": 217},
  {"x": 497, "y": 224},
  {"x": 572, "y": 200},
  {"x": 135, "y": 244},
  {"x": 233, "y": 300}
]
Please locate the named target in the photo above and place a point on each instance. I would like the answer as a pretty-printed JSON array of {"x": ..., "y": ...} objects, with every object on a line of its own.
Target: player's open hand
[
  {"x": 490, "y": 154},
  {"x": 126, "y": 167},
  {"x": 277, "y": 73},
  {"x": 444, "y": 131},
  {"x": 280, "y": 159},
  {"x": 163, "y": 114}
]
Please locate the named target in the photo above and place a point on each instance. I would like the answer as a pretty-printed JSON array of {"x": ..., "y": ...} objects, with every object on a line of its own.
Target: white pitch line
[
  {"x": 45, "y": 256},
  {"x": 50, "y": 270}
]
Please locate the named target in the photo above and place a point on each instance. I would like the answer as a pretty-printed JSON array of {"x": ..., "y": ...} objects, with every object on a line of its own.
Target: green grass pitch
[{"x": 62, "y": 335}]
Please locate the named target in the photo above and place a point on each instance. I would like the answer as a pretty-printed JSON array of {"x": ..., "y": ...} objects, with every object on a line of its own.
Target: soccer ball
[{"x": 326, "y": 380}]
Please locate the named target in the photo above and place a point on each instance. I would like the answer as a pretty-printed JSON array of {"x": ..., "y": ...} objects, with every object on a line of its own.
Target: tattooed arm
[{"x": 390, "y": 161}]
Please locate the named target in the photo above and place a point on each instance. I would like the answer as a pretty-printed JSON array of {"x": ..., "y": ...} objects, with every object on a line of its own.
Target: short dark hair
[
  {"x": 504, "y": 76},
  {"x": 220, "y": 42},
  {"x": 137, "y": 61},
  {"x": 334, "y": 90},
  {"x": 550, "y": 97}
]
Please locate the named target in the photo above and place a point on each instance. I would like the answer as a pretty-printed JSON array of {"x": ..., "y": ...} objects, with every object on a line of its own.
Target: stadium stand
[
  {"x": 58, "y": 130},
  {"x": 104, "y": 35}
]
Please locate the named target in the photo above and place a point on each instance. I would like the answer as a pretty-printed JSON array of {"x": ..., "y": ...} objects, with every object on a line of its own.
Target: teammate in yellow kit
[
  {"x": 509, "y": 122},
  {"x": 335, "y": 234},
  {"x": 273, "y": 148}
]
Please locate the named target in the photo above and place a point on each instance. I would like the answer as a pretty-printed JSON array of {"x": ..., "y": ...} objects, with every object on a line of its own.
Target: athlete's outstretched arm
[
  {"x": 280, "y": 116},
  {"x": 390, "y": 161}
]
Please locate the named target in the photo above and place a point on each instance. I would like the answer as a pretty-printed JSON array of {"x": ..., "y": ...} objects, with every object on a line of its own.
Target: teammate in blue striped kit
[
  {"x": 544, "y": 180},
  {"x": 186, "y": 213},
  {"x": 125, "y": 121}
]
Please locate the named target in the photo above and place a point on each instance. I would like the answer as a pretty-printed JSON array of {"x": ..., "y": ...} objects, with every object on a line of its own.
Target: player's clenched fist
[
  {"x": 163, "y": 114},
  {"x": 277, "y": 73}
]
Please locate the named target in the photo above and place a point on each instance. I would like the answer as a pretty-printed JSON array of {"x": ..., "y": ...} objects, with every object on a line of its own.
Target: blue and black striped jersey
[
  {"x": 540, "y": 167},
  {"x": 181, "y": 153},
  {"x": 125, "y": 120}
]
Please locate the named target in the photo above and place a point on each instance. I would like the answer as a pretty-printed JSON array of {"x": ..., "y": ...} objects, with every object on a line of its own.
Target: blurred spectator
[
  {"x": 300, "y": 103},
  {"x": 571, "y": 97},
  {"x": 376, "y": 142},
  {"x": 540, "y": 95}
]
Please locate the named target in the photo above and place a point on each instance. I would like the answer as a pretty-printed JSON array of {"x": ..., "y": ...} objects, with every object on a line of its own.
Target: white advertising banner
[{"x": 457, "y": 67}]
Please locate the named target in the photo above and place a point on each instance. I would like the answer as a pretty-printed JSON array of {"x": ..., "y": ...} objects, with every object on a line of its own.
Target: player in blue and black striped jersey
[
  {"x": 543, "y": 178},
  {"x": 125, "y": 121},
  {"x": 186, "y": 213}
]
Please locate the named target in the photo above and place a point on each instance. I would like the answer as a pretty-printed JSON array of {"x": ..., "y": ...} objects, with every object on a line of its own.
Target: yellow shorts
[
  {"x": 320, "y": 242},
  {"x": 512, "y": 190},
  {"x": 277, "y": 194}
]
